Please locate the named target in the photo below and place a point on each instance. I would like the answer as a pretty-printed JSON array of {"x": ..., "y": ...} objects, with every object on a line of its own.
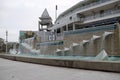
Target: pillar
[
  {"x": 73, "y": 26},
  {"x": 67, "y": 27}
]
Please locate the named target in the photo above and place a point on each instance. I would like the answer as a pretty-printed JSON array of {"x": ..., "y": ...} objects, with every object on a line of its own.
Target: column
[{"x": 73, "y": 26}]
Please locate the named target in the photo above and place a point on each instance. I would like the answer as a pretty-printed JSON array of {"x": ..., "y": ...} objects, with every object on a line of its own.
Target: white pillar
[{"x": 73, "y": 26}]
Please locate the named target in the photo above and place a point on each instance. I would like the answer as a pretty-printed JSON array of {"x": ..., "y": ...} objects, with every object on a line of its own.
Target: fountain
[
  {"x": 29, "y": 49},
  {"x": 92, "y": 46},
  {"x": 83, "y": 47},
  {"x": 21, "y": 49},
  {"x": 75, "y": 45},
  {"x": 102, "y": 55},
  {"x": 19, "y": 52},
  {"x": 75, "y": 49},
  {"x": 85, "y": 41},
  {"x": 66, "y": 51},
  {"x": 106, "y": 42},
  {"x": 59, "y": 52},
  {"x": 26, "y": 45},
  {"x": 14, "y": 50},
  {"x": 35, "y": 51},
  {"x": 95, "y": 37},
  {"x": 107, "y": 33}
]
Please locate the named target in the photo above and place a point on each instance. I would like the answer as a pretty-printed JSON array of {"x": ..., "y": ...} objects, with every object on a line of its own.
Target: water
[
  {"x": 102, "y": 55},
  {"x": 75, "y": 48},
  {"x": 82, "y": 47},
  {"x": 29, "y": 48},
  {"x": 75, "y": 44},
  {"x": 95, "y": 37},
  {"x": 59, "y": 52},
  {"x": 12, "y": 51},
  {"x": 93, "y": 58},
  {"x": 92, "y": 47},
  {"x": 104, "y": 38},
  {"x": 66, "y": 51},
  {"x": 85, "y": 41}
]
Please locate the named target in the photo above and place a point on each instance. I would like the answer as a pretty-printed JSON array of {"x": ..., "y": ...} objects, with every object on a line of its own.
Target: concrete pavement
[{"x": 12, "y": 70}]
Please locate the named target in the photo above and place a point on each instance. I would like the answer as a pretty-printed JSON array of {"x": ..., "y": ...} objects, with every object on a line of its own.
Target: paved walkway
[{"x": 12, "y": 70}]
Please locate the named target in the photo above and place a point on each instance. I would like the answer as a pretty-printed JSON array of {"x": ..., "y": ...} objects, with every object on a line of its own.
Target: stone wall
[{"x": 111, "y": 43}]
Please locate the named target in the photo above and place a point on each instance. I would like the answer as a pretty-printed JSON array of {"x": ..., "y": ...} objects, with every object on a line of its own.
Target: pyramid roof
[{"x": 45, "y": 14}]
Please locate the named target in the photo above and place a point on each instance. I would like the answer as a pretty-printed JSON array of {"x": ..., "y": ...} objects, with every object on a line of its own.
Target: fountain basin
[{"x": 112, "y": 66}]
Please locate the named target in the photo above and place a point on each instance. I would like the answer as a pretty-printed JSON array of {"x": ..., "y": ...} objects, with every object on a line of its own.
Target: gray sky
[{"x": 16, "y": 15}]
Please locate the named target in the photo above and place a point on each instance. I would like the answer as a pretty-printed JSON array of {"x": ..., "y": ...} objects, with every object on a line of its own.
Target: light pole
[
  {"x": 6, "y": 41},
  {"x": 56, "y": 8}
]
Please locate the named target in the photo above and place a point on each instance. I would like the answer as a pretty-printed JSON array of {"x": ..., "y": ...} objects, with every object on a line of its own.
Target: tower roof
[{"x": 45, "y": 14}]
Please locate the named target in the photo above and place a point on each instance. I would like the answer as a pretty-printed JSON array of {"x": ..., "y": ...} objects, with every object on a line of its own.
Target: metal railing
[
  {"x": 93, "y": 4},
  {"x": 98, "y": 15}
]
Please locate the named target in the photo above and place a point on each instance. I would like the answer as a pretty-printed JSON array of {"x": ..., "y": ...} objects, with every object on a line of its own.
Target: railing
[
  {"x": 106, "y": 13},
  {"x": 93, "y": 4},
  {"x": 91, "y": 29}
]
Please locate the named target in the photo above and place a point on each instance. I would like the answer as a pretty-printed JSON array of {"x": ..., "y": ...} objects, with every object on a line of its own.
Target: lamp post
[
  {"x": 6, "y": 41},
  {"x": 56, "y": 8}
]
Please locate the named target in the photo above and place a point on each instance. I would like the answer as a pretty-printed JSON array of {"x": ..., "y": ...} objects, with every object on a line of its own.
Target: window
[
  {"x": 70, "y": 18},
  {"x": 70, "y": 27},
  {"x": 77, "y": 27},
  {"x": 58, "y": 30},
  {"x": 101, "y": 13},
  {"x": 64, "y": 28}
]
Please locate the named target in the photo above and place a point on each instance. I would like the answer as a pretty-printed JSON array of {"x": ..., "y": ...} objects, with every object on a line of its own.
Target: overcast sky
[{"x": 16, "y": 15}]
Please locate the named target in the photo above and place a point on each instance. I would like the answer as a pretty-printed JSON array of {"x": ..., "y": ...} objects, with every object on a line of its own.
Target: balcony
[
  {"x": 94, "y": 5},
  {"x": 111, "y": 13}
]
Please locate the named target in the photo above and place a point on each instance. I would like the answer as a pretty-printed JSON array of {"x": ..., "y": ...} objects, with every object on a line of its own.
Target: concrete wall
[
  {"x": 117, "y": 40},
  {"x": 82, "y": 64},
  {"x": 49, "y": 48},
  {"x": 111, "y": 43}
]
